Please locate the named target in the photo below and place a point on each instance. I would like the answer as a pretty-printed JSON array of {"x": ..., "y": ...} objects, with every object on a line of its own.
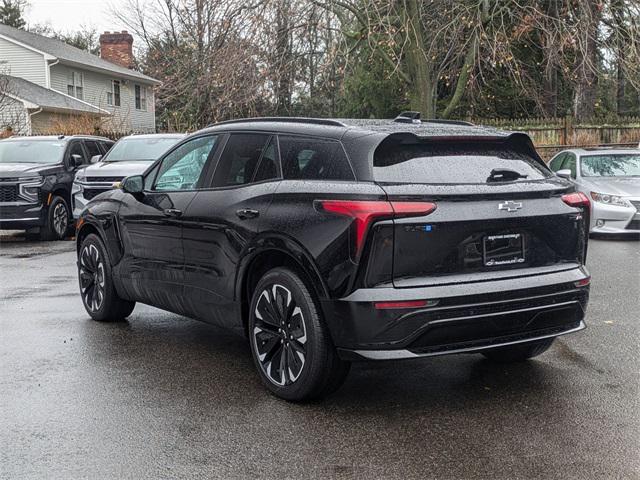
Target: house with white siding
[{"x": 45, "y": 83}]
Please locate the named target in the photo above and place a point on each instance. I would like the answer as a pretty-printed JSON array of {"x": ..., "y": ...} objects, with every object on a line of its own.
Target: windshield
[
  {"x": 613, "y": 165},
  {"x": 140, "y": 148},
  {"x": 31, "y": 151},
  {"x": 457, "y": 163}
]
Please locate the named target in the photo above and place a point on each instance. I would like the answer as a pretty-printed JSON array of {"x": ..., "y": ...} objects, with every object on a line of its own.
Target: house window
[
  {"x": 75, "y": 84},
  {"x": 113, "y": 97},
  {"x": 141, "y": 97}
]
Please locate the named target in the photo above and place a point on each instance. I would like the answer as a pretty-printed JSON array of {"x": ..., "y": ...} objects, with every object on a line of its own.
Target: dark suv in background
[
  {"x": 329, "y": 241},
  {"x": 36, "y": 174}
]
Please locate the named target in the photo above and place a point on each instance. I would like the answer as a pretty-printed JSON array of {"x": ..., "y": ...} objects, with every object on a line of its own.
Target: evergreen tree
[{"x": 11, "y": 13}]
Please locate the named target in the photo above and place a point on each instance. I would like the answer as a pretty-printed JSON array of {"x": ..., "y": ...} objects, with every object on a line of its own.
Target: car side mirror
[
  {"x": 565, "y": 173},
  {"x": 76, "y": 160},
  {"x": 95, "y": 158},
  {"x": 133, "y": 184}
]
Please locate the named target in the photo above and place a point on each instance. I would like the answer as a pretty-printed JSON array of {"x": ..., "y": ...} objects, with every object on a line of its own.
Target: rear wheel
[
  {"x": 58, "y": 221},
  {"x": 98, "y": 294},
  {"x": 519, "y": 352},
  {"x": 291, "y": 347}
]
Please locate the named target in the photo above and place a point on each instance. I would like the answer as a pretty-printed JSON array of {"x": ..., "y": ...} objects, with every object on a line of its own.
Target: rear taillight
[
  {"x": 364, "y": 212},
  {"x": 404, "y": 304},
  {"x": 576, "y": 199}
]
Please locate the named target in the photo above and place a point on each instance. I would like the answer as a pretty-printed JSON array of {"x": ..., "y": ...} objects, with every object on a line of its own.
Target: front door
[
  {"x": 223, "y": 219},
  {"x": 151, "y": 225}
]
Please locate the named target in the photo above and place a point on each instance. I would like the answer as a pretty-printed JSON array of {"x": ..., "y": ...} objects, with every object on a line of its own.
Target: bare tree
[{"x": 12, "y": 113}]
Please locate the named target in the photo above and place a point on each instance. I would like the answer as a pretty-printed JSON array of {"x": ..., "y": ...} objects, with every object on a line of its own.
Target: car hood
[
  {"x": 12, "y": 170},
  {"x": 114, "y": 169},
  {"x": 623, "y": 186}
]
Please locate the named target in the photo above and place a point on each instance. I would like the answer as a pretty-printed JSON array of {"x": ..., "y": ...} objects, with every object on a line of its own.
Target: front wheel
[
  {"x": 98, "y": 293},
  {"x": 291, "y": 347},
  {"x": 58, "y": 220},
  {"x": 518, "y": 352}
]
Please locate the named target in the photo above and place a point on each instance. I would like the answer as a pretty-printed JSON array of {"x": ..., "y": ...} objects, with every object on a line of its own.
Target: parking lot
[{"x": 161, "y": 396}]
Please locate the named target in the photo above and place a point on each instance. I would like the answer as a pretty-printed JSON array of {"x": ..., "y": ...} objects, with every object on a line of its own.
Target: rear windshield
[
  {"x": 140, "y": 148},
  {"x": 614, "y": 165},
  {"x": 455, "y": 163}
]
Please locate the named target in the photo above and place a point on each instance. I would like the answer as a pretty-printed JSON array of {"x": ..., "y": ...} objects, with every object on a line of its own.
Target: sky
[{"x": 69, "y": 15}]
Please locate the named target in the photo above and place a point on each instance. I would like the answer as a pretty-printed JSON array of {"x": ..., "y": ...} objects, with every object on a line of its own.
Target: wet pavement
[{"x": 161, "y": 396}]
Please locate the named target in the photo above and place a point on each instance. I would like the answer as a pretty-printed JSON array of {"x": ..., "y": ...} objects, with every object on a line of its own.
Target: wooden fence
[{"x": 551, "y": 135}]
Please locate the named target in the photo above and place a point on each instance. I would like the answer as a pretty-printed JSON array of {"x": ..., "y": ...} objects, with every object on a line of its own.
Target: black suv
[
  {"x": 327, "y": 241},
  {"x": 36, "y": 175}
]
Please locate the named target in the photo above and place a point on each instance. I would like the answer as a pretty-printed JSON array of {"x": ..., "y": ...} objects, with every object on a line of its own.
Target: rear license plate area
[{"x": 503, "y": 249}]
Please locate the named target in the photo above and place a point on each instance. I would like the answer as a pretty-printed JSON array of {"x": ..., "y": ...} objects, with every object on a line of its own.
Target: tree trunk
[
  {"x": 586, "y": 60},
  {"x": 422, "y": 86},
  {"x": 283, "y": 64},
  {"x": 617, "y": 7},
  {"x": 550, "y": 78}
]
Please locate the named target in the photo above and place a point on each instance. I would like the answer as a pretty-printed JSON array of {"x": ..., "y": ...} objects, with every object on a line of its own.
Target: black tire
[
  {"x": 519, "y": 352},
  {"x": 285, "y": 325},
  {"x": 99, "y": 296},
  {"x": 58, "y": 220}
]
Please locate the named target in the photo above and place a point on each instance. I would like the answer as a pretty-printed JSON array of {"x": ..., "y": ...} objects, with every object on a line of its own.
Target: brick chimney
[{"x": 117, "y": 47}]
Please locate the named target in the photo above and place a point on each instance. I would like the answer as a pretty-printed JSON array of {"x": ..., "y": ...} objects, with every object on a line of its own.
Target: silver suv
[{"x": 129, "y": 156}]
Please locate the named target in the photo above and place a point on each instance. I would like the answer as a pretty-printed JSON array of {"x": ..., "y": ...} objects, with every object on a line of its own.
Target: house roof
[
  {"x": 67, "y": 54},
  {"x": 40, "y": 97}
]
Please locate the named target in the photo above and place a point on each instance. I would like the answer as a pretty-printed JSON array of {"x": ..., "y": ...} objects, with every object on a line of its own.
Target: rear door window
[
  {"x": 452, "y": 162},
  {"x": 313, "y": 159},
  {"x": 240, "y": 158}
]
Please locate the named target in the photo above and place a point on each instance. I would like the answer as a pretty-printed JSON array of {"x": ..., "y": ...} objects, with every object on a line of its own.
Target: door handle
[
  {"x": 172, "y": 212},
  {"x": 245, "y": 213}
]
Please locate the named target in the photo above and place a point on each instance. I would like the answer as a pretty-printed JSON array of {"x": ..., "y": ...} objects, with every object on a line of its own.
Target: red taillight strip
[
  {"x": 412, "y": 209},
  {"x": 576, "y": 199},
  {"x": 400, "y": 305},
  {"x": 366, "y": 211}
]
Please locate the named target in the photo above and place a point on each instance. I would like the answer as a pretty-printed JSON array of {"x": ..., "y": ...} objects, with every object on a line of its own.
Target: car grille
[
  {"x": 103, "y": 179},
  {"x": 90, "y": 193},
  {"x": 636, "y": 203},
  {"x": 8, "y": 193},
  {"x": 633, "y": 225}
]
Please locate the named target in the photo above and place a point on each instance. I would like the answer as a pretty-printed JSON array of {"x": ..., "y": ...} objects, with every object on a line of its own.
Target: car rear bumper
[
  {"x": 21, "y": 216},
  {"x": 462, "y": 317}
]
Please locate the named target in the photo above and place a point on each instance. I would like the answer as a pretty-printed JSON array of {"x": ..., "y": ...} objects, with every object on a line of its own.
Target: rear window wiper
[{"x": 504, "y": 175}]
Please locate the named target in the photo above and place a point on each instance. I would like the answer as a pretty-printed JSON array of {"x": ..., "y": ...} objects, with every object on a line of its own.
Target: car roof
[
  {"x": 581, "y": 152},
  {"x": 59, "y": 138},
  {"x": 155, "y": 135},
  {"x": 361, "y": 137},
  {"x": 353, "y": 127}
]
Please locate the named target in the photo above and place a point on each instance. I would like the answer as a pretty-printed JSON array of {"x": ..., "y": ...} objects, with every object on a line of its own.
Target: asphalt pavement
[{"x": 161, "y": 396}]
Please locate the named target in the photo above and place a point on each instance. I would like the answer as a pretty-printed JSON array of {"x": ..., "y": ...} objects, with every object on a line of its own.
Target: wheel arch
[
  {"x": 272, "y": 253},
  {"x": 84, "y": 231},
  {"x": 61, "y": 191}
]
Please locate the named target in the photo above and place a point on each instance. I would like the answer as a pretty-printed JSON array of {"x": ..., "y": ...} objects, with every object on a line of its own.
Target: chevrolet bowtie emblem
[{"x": 510, "y": 206}]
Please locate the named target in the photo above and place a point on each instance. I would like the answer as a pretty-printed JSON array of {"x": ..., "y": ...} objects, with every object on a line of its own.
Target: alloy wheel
[
  {"x": 92, "y": 277},
  {"x": 279, "y": 335},
  {"x": 60, "y": 219}
]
